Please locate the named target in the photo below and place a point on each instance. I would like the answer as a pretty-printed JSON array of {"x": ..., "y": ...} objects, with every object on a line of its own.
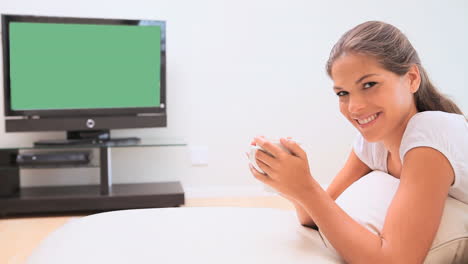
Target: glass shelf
[{"x": 145, "y": 142}]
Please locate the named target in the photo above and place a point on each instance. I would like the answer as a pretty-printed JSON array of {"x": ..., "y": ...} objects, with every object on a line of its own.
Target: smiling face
[{"x": 378, "y": 102}]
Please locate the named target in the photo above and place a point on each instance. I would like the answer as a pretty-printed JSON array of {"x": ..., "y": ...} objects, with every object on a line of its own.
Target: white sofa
[
  {"x": 238, "y": 235},
  {"x": 185, "y": 235}
]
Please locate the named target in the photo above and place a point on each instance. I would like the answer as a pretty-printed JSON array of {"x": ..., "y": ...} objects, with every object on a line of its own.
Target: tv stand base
[{"x": 88, "y": 198}]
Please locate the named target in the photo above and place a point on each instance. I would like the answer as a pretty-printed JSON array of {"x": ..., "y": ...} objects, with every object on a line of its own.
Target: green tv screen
[{"x": 82, "y": 66}]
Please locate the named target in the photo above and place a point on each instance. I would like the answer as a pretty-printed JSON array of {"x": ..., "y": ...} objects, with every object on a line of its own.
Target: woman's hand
[{"x": 288, "y": 173}]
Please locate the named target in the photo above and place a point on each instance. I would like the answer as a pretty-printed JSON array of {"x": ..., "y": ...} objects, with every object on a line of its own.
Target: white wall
[{"x": 242, "y": 68}]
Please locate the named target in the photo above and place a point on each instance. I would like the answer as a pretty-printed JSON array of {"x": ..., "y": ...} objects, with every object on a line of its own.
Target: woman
[{"x": 407, "y": 129}]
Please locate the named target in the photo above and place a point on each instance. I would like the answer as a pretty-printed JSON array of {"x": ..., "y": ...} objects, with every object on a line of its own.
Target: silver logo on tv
[{"x": 90, "y": 123}]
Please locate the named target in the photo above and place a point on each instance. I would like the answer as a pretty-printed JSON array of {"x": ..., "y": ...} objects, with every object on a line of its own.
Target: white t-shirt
[{"x": 445, "y": 132}]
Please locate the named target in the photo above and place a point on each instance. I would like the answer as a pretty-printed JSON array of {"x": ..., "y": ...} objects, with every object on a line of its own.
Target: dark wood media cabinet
[{"x": 16, "y": 200}]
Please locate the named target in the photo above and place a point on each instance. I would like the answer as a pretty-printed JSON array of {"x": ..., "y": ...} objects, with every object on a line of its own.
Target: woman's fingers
[
  {"x": 268, "y": 146},
  {"x": 260, "y": 176},
  {"x": 293, "y": 147},
  {"x": 262, "y": 161},
  {"x": 253, "y": 143},
  {"x": 265, "y": 167},
  {"x": 260, "y": 155}
]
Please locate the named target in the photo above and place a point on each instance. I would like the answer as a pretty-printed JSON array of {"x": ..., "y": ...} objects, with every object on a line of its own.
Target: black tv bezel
[{"x": 89, "y": 112}]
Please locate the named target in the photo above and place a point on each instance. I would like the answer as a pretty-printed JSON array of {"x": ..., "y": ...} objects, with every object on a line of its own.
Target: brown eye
[
  {"x": 342, "y": 93},
  {"x": 369, "y": 85}
]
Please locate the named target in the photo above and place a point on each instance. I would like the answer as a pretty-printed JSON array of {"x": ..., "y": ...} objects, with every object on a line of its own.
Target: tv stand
[
  {"x": 89, "y": 137},
  {"x": 89, "y": 141},
  {"x": 16, "y": 200}
]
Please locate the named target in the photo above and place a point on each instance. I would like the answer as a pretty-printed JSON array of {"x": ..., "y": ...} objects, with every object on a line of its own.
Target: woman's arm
[
  {"x": 412, "y": 219},
  {"x": 352, "y": 171},
  {"x": 302, "y": 215}
]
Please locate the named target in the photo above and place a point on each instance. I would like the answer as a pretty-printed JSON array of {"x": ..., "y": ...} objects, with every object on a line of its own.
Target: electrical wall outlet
[{"x": 199, "y": 155}]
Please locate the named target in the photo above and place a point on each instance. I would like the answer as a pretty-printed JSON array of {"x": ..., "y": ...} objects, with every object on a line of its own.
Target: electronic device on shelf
[
  {"x": 53, "y": 158},
  {"x": 84, "y": 76}
]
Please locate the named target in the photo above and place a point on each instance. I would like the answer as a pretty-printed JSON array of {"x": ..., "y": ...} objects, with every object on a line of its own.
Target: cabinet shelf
[
  {"x": 83, "y": 198},
  {"x": 87, "y": 198}
]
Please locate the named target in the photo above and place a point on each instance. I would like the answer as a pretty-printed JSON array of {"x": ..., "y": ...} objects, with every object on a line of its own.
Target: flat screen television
[{"x": 84, "y": 76}]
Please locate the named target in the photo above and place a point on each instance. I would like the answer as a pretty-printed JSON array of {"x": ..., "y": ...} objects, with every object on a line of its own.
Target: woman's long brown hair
[{"x": 396, "y": 54}]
